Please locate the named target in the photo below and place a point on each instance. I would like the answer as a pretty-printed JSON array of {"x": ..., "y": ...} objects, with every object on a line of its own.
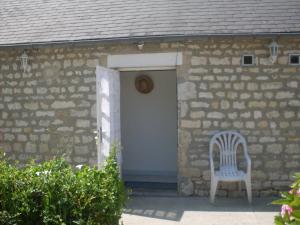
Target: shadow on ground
[{"x": 173, "y": 208}]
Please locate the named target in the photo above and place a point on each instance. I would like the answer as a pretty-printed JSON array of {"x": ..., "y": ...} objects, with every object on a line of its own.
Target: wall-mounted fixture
[
  {"x": 24, "y": 60},
  {"x": 144, "y": 84},
  {"x": 273, "y": 47},
  {"x": 294, "y": 59},
  {"x": 140, "y": 45},
  {"x": 248, "y": 60}
]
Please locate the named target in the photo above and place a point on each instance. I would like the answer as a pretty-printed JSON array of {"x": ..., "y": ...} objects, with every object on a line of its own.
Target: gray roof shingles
[{"x": 39, "y": 21}]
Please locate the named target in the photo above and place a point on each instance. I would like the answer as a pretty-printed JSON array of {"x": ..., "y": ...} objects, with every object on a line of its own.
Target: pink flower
[
  {"x": 298, "y": 192},
  {"x": 286, "y": 209},
  {"x": 291, "y": 192}
]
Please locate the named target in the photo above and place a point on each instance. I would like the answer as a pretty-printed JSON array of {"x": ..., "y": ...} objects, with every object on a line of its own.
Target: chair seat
[{"x": 229, "y": 173}]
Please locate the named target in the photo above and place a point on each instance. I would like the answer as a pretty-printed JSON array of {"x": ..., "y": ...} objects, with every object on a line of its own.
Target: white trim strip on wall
[
  {"x": 144, "y": 61},
  {"x": 126, "y": 69}
]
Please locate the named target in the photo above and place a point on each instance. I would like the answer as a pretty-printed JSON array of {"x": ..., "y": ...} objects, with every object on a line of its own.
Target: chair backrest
[{"x": 227, "y": 143}]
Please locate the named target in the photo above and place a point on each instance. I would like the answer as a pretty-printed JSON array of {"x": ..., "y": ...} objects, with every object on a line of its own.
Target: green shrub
[
  {"x": 290, "y": 205},
  {"x": 53, "y": 193}
]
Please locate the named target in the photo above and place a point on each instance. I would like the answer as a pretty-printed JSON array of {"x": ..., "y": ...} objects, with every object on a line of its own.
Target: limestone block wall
[
  {"x": 261, "y": 101},
  {"x": 48, "y": 110},
  {"x": 51, "y": 108}
]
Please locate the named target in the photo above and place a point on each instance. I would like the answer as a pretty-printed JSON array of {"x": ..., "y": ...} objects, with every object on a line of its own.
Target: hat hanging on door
[{"x": 144, "y": 84}]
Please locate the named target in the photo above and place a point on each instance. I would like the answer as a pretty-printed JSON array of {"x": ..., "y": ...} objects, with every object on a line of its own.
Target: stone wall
[
  {"x": 50, "y": 109},
  {"x": 261, "y": 101}
]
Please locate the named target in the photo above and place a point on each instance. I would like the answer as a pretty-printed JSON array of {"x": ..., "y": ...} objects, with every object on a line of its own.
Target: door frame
[{"x": 144, "y": 62}]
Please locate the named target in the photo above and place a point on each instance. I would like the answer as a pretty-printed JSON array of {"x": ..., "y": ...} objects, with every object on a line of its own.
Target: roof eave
[{"x": 135, "y": 39}]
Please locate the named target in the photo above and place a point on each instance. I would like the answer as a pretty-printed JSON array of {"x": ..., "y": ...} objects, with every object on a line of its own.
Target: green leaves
[
  {"x": 54, "y": 193},
  {"x": 290, "y": 201},
  {"x": 281, "y": 202},
  {"x": 279, "y": 220},
  {"x": 296, "y": 214}
]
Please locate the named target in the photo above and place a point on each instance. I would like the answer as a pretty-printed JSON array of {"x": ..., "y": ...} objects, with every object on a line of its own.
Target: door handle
[{"x": 100, "y": 135}]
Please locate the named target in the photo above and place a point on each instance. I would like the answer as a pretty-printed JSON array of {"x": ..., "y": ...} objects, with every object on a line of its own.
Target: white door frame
[
  {"x": 145, "y": 61},
  {"x": 138, "y": 62}
]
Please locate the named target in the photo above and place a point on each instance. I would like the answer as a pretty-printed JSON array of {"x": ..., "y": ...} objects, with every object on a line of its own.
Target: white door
[{"x": 108, "y": 113}]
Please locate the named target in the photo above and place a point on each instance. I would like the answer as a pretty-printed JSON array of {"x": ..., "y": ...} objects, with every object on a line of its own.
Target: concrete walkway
[{"x": 198, "y": 211}]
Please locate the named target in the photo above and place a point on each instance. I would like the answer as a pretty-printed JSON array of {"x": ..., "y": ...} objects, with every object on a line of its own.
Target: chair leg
[
  {"x": 213, "y": 189},
  {"x": 249, "y": 190}
]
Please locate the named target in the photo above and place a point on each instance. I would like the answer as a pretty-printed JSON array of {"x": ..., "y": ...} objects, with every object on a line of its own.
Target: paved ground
[{"x": 198, "y": 211}]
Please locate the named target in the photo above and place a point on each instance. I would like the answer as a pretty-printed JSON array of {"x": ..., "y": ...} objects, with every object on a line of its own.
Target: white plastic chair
[{"x": 227, "y": 142}]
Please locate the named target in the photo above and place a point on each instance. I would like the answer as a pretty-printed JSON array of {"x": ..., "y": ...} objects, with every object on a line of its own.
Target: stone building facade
[{"x": 51, "y": 108}]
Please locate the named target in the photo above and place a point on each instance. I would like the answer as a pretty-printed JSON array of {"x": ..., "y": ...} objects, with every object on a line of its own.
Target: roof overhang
[{"x": 136, "y": 39}]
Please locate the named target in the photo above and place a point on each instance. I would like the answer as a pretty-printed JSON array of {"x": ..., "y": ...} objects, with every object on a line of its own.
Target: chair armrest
[
  {"x": 212, "y": 168},
  {"x": 248, "y": 162},
  {"x": 247, "y": 157}
]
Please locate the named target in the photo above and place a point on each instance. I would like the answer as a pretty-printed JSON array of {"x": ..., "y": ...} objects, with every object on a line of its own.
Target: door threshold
[
  {"x": 151, "y": 189},
  {"x": 152, "y": 193},
  {"x": 150, "y": 179}
]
